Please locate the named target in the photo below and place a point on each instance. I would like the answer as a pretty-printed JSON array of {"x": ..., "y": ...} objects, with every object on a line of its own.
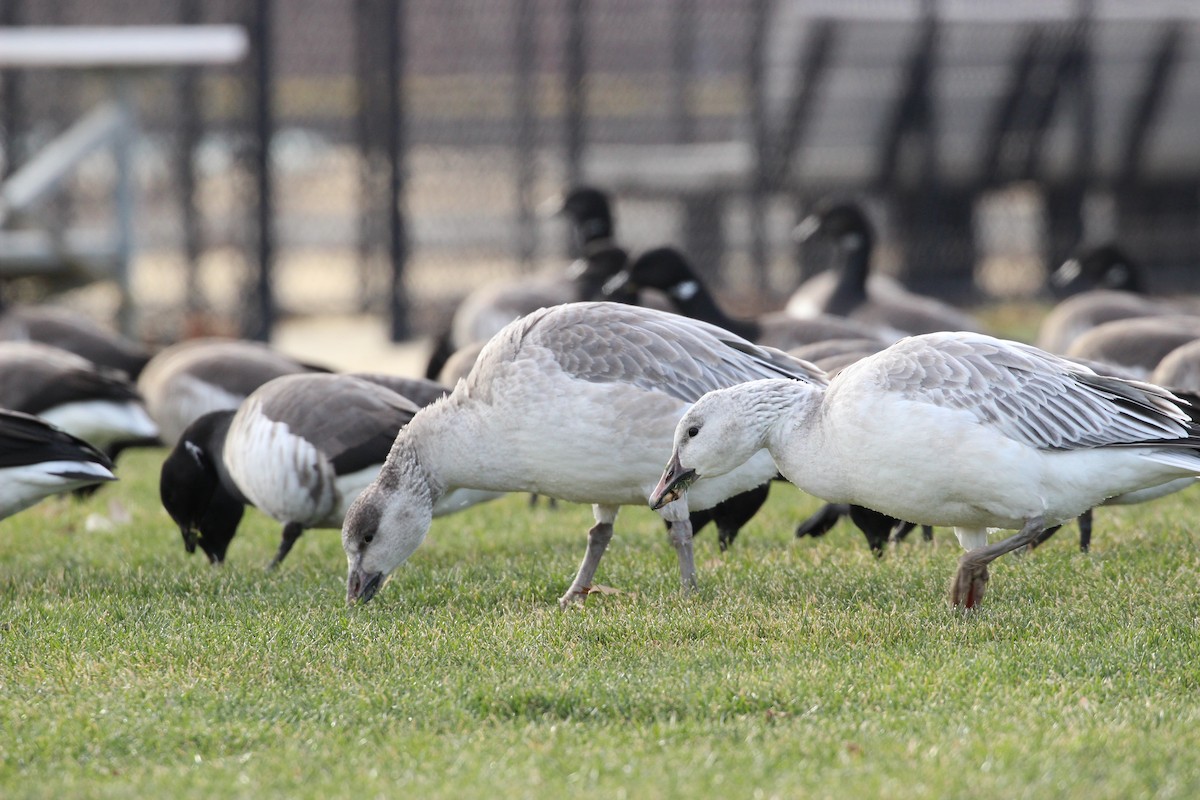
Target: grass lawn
[{"x": 800, "y": 668}]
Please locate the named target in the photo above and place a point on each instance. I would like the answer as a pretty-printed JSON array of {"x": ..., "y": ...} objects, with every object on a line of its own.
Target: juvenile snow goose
[
  {"x": 667, "y": 270},
  {"x": 69, "y": 331},
  {"x": 894, "y": 310},
  {"x": 38, "y": 460},
  {"x": 489, "y": 308},
  {"x": 187, "y": 380},
  {"x": 1100, "y": 285},
  {"x": 97, "y": 404},
  {"x": 300, "y": 448},
  {"x": 953, "y": 429},
  {"x": 575, "y": 402}
]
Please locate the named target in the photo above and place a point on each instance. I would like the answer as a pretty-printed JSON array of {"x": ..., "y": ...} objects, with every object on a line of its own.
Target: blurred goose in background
[
  {"x": 96, "y": 404},
  {"x": 70, "y": 331},
  {"x": 886, "y": 307},
  {"x": 1180, "y": 369},
  {"x": 38, "y": 460},
  {"x": 576, "y": 402},
  {"x": 489, "y": 308},
  {"x": 1100, "y": 284},
  {"x": 667, "y": 270},
  {"x": 300, "y": 448},
  {"x": 187, "y": 380},
  {"x": 1137, "y": 344},
  {"x": 956, "y": 429}
]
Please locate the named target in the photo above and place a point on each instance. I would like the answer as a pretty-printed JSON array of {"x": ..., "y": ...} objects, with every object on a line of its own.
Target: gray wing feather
[
  {"x": 1030, "y": 395},
  {"x": 652, "y": 350}
]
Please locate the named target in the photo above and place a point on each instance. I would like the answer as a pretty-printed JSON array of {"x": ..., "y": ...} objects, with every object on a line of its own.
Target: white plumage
[
  {"x": 954, "y": 429},
  {"x": 576, "y": 402}
]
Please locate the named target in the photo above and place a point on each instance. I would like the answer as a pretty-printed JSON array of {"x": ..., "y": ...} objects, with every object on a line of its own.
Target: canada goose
[
  {"x": 38, "y": 460},
  {"x": 300, "y": 448},
  {"x": 955, "y": 429},
  {"x": 69, "y": 331},
  {"x": 1099, "y": 285},
  {"x": 894, "y": 310},
  {"x": 489, "y": 308},
  {"x": 667, "y": 270},
  {"x": 1136, "y": 344},
  {"x": 576, "y": 402},
  {"x": 96, "y": 404},
  {"x": 187, "y": 380}
]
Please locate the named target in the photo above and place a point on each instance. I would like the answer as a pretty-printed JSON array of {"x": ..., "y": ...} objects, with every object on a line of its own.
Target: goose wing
[
  {"x": 652, "y": 350},
  {"x": 351, "y": 421},
  {"x": 1029, "y": 395}
]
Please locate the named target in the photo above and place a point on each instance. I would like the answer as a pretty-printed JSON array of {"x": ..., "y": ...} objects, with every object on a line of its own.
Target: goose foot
[
  {"x": 575, "y": 597},
  {"x": 598, "y": 538},
  {"x": 970, "y": 583}
]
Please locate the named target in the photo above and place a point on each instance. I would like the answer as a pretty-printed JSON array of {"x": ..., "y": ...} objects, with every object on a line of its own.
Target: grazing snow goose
[
  {"x": 300, "y": 448},
  {"x": 38, "y": 460},
  {"x": 667, "y": 270},
  {"x": 955, "y": 429},
  {"x": 1137, "y": 344},
  {"x": 71, "y": 332},
  {"x": 187, "y": 380},
  {"x": 97, "y": 404},
  {"x": 575, "y": 402},
  {"x": 895, "y": 310},
  {"x": 1099, "y": 285},
  {"x": 489, "y": 308}
]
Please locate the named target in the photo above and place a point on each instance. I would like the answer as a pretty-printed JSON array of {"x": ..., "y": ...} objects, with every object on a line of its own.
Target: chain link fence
[{"x": 428, "y": 135}]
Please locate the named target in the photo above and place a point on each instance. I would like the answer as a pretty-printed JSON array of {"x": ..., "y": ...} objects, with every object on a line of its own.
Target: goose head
[
  {"x": 720, "y": 432},
  {"x": 844, "y": 223},
  {"x": 383, "y": 527},
  {"x": 590, "y": 214},
  {"x": 192, "y": 493},
  {"x": 1106, "y": 266},
  {"x": 663, "y": 268}
]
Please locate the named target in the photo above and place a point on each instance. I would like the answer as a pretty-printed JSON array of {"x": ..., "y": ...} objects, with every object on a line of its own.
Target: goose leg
[
  {"x": 291, "y": 532},
  {"x": 970, "y": 582},
  {"x": 680, "y": 533},
  {"x": 1085, "y": 530},
  {"x": 598, "y": 538},
  {"x": 822, "y": 521}
]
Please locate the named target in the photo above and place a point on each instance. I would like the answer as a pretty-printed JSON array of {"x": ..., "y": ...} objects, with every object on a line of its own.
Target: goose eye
[
  {"x": 370, "y": 537},
  {"x": 693, "y": 432}
]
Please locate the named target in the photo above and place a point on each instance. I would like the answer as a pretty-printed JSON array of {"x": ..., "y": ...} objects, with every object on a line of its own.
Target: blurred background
[{"x": 374, "y": 160}]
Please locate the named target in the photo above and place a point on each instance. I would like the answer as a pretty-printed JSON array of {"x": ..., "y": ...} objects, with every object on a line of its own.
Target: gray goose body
[
  {"x": 187, "y": 380},
  {"x": 97, "y": 404},
  {"x": 1136, "y": 344},
  {"x": 576, "y": 402}
]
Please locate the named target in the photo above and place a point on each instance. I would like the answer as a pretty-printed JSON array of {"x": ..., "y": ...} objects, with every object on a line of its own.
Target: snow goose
[
  {"x": 667, "y": 270},
  {"x": 1101, "y": 284},
  {"x": 97, "y": 404},
  {"x": 1137, "y": 344},
  {"x": 895, "y": 310},
  {"x": 187, "y": 380},
  {"x": 69, "y": 331},
  {"x": 300, "y": 448},
  {"x": 38, "y": 460},
  {"x": 575, "y": 402},
  {"x": 955, "y": 429},
  {"x": 489, "y": 308}
]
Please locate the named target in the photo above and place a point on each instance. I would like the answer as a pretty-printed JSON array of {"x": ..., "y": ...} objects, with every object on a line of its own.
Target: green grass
[{"x": 800, "y": 668}]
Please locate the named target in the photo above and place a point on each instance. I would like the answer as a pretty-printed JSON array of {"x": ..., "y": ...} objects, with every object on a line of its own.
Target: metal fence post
[{"x": 397, "y": 141}]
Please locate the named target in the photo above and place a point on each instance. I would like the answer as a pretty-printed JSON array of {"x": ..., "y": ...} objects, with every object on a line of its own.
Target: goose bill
[
  {"x": 673, "y": 484},
  {"x": 190, "y": 537},
  {"x": 361, "y": 586}
]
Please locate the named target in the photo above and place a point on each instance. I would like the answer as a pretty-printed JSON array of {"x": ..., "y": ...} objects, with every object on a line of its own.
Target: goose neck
[{"x": 851, "y": 287}]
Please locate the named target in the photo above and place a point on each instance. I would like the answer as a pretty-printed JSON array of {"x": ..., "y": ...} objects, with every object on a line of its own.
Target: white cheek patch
[
  {"x": 852, "y": 240},
  {"x": 1117, "y": 275},
  {"x": 685, "y": 291},
  {"x": 195, "y": 452}
]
